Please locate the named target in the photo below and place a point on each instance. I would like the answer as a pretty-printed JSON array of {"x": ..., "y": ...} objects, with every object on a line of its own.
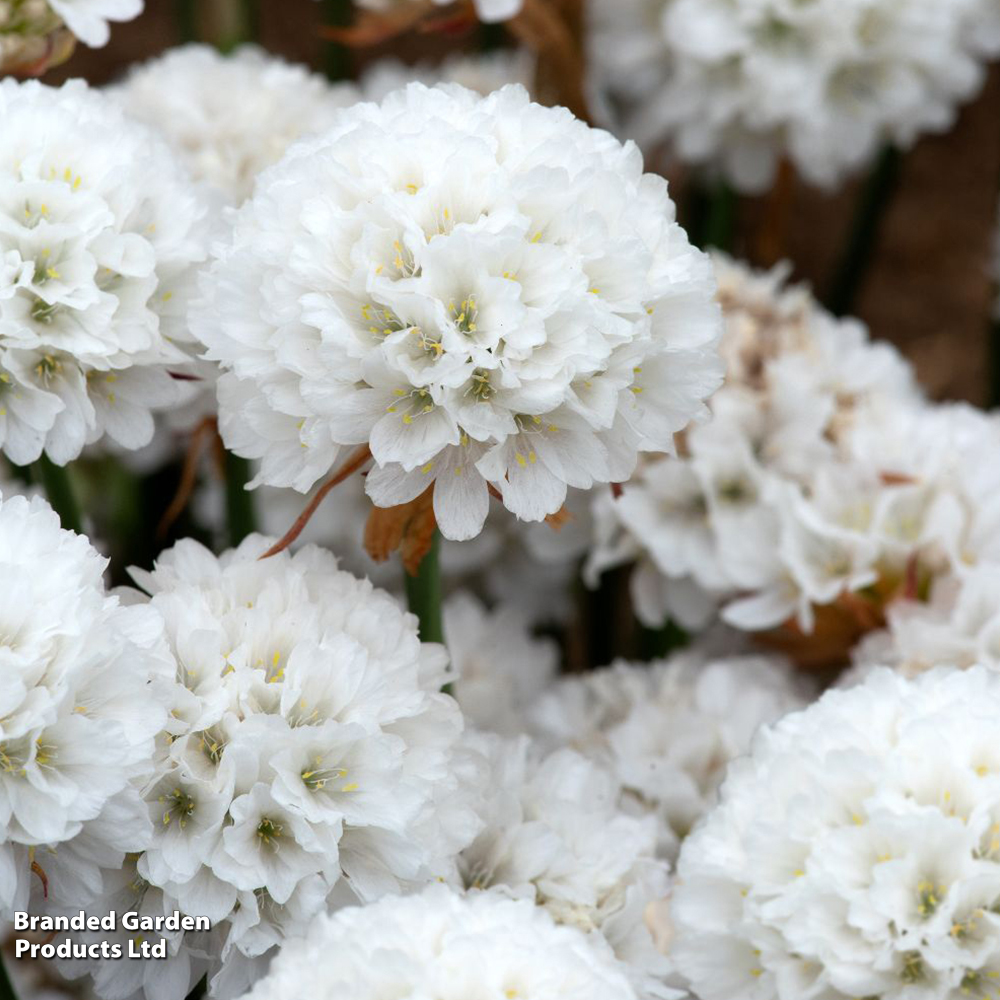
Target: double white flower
[
  {"x": 486, "y": 292},
  {"x": 100, "y": 234},
  {"x": 739, "y": 84},
  {"x": 309, "y": 761},
  {"x": 855, "y": 852}
]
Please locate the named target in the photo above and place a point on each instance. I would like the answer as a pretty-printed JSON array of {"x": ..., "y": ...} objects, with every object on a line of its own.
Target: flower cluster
[
  {"x": 554, "y": 833},
  {"x": 448, "y": 946},
  {"x": 667, "y": 730},
  {"x": 311, "y": 760},
  {"x": 739, "y": 84},
  {"x": 229, "y": 117},
  {"x": 83, "y": 688},
  {"x": 824, "y": 481},
  {"x": 487, "y": 293},
  {"x": 849, "y": 856},
  {"x": 100, "y": 236},
  {"x": 500, "y": 667},
  {"x": 35, "y": 34}
]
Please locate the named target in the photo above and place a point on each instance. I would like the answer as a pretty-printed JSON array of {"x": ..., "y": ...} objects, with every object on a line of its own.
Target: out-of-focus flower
[
  {"x": 101, "y": 232},
  {"x": 669, "y": 729},
  {"x": 739, "y": 84},
  {"x": 823, "y": 488},
  {"x": 855, "y": 852},
  {"x": 958, "y": 626},
  {"x": 230, "y": 116},
  {"x": 500, "y": 667},
  {"x": 485, "y": 292},
  {"x": 448, "y": 946},
  {"x": 554, "y": 832}
]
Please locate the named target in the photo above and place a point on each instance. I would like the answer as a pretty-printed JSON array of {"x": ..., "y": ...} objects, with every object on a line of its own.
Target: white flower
[
  {"x": 100, "y": 232},
  {"x": 88, "y": 19},
  {"x": 805, "y": 490},
  {"x": 554, "y": 833},
  {"x": 31, "y": 30},
  {"x": 482, "y": 72},
  {"x": 668, "y": 729},
  {"x": 487, "y": 10},
  {"x": 739, "y": 84},
  {"x": 444, "y": 945},
  {"x": 958, "y": 626},
  {"x": 500, "y": 667},
  {"x": 311, "y": 760},
  {"x": 82, "y": 697},
  {"x": 229, "y": 117},
  {"x": 855, "y": 852},
  {"x": 485, "y": 291}
]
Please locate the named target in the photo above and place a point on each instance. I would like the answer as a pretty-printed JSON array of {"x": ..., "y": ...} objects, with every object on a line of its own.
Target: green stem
[
  {"x": 7, "y": 991},
  {"x": 720, "y": 224},
  {"x": 337, "y": 14},
  {"x": 59, "y": 491},
  {"x": 655, "y": 643},
  {"x": 423, "y": 593},
  {"x": 871, "y": 208},
  {"x": 240, "y": 516},
  {"x": 187, "y": 23}
]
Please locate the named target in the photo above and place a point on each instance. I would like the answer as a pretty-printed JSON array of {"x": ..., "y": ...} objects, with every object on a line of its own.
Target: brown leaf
[
  {"x": 559, "y": 519},
  {"x": 408, "y": 527}
]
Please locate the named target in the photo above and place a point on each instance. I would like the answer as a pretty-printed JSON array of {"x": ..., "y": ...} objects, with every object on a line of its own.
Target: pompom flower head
[
  {"x": 444, "y": 945},
  {"x": 855, "y": 852},
  {"x": 739, "y": 84},
  {"x": 667, "y": 730},
  {"x": 487, "y": 293},
  {"x": 554, "y": 832},
  {"x": 100, "y": 233},
  {"x": 310, "y": 760},
  {"x": 229, "y": 117},
  {"x": 83, "y": 684},
  {"x": 803, "y": 500}
]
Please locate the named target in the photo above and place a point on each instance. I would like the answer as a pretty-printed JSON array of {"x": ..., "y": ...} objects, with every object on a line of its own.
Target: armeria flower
[
  {"x": 668, "y": 729},
  {"x": 808, "y": 490},
  {"x": 958, "y": 625},
  {"x": 487, "y": 10},
  {"x": 500, "y": 667},
  {"x": 482, "y": 72},
  {"x": 486, "y": 292},
  {"x": 444, "y": 945},
  {"x": 312, "y": 758},
  {"x": 83, "y": 685},
  {"x": 855, "y": 852},
  {"x": 739, "y": 84},
  {"x": 554, "y": 832},
  {"x": 229, "y": 117},
  {"x": 100, "y": 234},
  {"x": 36, "y": 34}
]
